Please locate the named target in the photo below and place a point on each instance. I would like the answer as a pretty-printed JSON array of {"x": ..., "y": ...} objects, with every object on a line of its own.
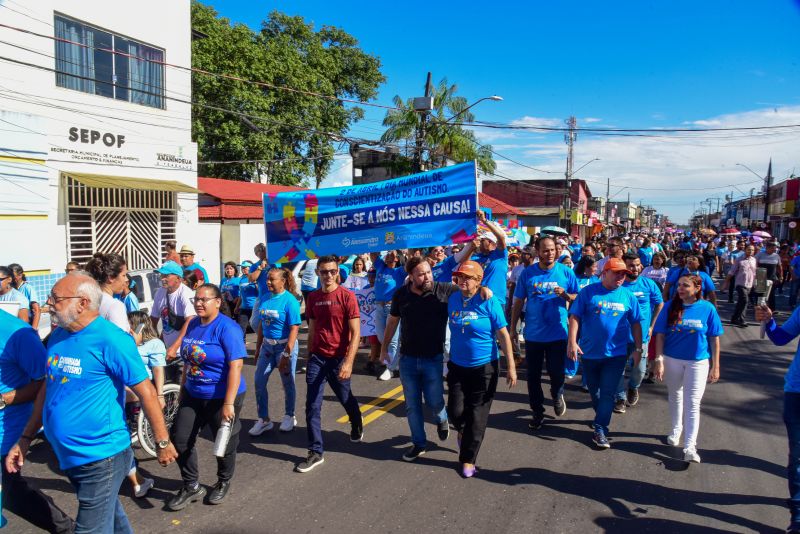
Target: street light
[
  {"x": 751, "y": 170},
  {"x": 584, "y": 165},
  {"x": 494, "y": 98}
]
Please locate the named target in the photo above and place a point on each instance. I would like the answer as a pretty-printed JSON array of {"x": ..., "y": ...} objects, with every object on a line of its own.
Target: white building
[{"x": 95, "y": 133}]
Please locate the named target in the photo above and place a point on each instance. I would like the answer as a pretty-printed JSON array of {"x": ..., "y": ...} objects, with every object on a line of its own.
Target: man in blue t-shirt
[
  {"x": 89, "y": 363},
  {"x": 188, "y": 264},
  {"x": 545, "y": 288},
  {"x": 607, "y": 315},
  {"x": 22, "y": 362},
  {"x": 648, "y": 295}
]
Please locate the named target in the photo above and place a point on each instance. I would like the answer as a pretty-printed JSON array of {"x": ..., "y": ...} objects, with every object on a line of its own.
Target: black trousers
[
  {"x": 471, "y": 391},
  {"x": 537, "y": 353},
  {"x": 32, "y": 505},
  {"x": 742, "y": 296},
  {"x": 194, "y": 414}
]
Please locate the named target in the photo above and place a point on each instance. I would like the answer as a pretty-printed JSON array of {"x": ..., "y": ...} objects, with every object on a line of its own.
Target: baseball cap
[
  {"x": 246, "y": 263},
  {"x": 470, "y": 268},
  {"x": 616, "y": 265},
  {"x": 488, "y": 235},
  {"x": 171, "y": 268}
]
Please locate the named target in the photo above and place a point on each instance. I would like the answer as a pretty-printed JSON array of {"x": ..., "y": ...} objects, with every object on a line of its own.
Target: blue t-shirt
[
  {"x": 688, "y": 338},
  {"x": 278, "y": 313},
  {"x": 606, "y": 317},
  {"x": 131, "y": 302},
  {"x": 206, "y": 351},
  {"x": 22, "y": 359},
  {"x": 646, "y": 256},
  {"x": 153, "y": 354},
  {"x": 230, "y": 288},
  {"x": 795, "y": 265},
  {"x": 708, "y": 283},
  {"x": 648, "y": 295},
  {"x": 84, "y": 409},
  {"x": 585, "y": 281},
  {"x": 249, "y": 293},
  {"x": 495, "y": 269},
  {"x": 387, "y": 280},
  {"x": 472, "y": 329},
  {"x": 545, "y": 312},
  {"x": 443, "y": 271},
  {"x": 261, "y": 281},
  {"x": 791, "y": 382},
  {"x": 194, "y": 266}
]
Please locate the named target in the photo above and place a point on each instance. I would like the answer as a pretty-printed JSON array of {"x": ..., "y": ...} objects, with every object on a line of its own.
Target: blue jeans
[
  {"x": 602, "y": 377},
  {"x": 318, "y": 371},
  {"x": 636, "y": 372},
  {"x": 268, "y": 361},
  {"x": 791, "y": 417},
  {"x": 381, "y": 315},
  {"x": 422, "y": 376},
  {"x": 97, "y": 487}
]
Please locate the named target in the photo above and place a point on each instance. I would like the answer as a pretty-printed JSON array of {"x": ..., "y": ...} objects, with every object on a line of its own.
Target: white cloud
[
  {"x": 537, "y": 122},
  {"x": 589, "y": 120},
  {"x": 341, "y": 172}
]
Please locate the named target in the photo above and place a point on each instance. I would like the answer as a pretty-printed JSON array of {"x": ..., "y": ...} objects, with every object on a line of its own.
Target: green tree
[
  {"x": 444, "y": 138},
  {"x": 293, "y": 133}
]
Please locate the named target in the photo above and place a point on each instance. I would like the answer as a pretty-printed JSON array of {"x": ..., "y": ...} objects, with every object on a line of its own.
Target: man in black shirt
[{"x": 421, "y": 305}]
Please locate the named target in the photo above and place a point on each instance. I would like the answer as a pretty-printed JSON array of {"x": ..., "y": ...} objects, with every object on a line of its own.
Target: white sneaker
[
  {"x": 260, "y": 427},
  {"x": 142, "y": 489},
  {"x": 674, "y": 439},
  {"x": 690, "y": 455},
  {"x": 288, "y": 423},
  {"x": 385, "y": 375}
]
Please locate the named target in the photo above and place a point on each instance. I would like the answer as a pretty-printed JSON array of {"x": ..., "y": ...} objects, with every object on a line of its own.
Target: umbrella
[
  {"x": 708, "y": 231},
  {"x": 761, "y": 233},
  {"x": 730, "y": 231},
  {"x": 554, "y": 230},
  {"x": 757, "y": 239},
  {"x": 745, "y": 233}
]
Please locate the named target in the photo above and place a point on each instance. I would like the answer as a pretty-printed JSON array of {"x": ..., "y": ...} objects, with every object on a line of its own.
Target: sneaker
[
  {"x": 536, "y": 422},
  {"x": 443, "y": 429},
  {"x": 312, "y": 460},
  {"x": 413, "y": 453},
  {"x": 259, "y": 427},
  {"x": 633, "y": 396},
  {"x": 385, "y": 375},
  {"x": 288, "y": 423},
  {"x": 690, "y": 455},
  {"x": 619, "y": 406},
  {"x": 356, "y": 432},
  {"x": 560, "y": 405},
  {"x": 600, "y": 440},
  {"x": 142, "y": 489},
  {"x": 185, "y": 496},
  {"x": 468, "y": 470},
  {"x": 674, "y": 439},
  {"x": 219, "y": 492}
]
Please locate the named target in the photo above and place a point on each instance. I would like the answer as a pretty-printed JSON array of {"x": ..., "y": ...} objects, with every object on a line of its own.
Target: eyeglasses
[
  {"x": 55, "y": 299},
  {"x": 328, "y": 272},
  {"x": 458, "y": 276},
  {"x": 5, "y": 278},
  {"x": 201, "y": 300}
]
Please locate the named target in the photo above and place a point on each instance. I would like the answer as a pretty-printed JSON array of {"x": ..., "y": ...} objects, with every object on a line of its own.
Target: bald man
[{"x": 81, "y": 403}]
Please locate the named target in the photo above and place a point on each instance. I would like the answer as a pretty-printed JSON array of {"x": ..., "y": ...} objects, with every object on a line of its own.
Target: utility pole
[
  {"x": 767, "y": 185},
  {"x": 608, "y": 200},
  {"x": 569, "y": 138},
  {"x": 422, "y": 105}
]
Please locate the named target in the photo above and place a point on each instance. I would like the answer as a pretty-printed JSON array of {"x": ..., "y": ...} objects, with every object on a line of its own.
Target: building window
[{"x": 101, "y": 63}]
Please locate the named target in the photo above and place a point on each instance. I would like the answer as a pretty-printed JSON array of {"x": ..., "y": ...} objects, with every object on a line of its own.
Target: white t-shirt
[
  {"x": 513, "y": 276},
  {"x": 355, "y": 282},
  {"x": 114, "y": 310},
  {"x": 177, "y": 302}
]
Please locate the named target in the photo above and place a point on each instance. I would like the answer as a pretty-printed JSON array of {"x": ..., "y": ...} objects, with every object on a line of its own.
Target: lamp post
[
  {"x": 494, "y": 98},
  {"x": 568, "y": 194}
]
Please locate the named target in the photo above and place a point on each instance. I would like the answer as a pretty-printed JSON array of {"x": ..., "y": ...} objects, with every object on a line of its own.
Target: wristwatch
[
  {"x": 163, "y": 444},
  {"x": 2, "y": 402}
]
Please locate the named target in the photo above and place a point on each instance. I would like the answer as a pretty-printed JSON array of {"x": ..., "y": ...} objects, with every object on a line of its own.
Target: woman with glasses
[
  {"x": 11, "y": 295},
  {"x": 687, "y": 343},
  {"x": 21, "y": 284},
  {"x": 212, "y": 392},
  {"x": 473, "y": 369},
  {"x": 111, "y": 272}
]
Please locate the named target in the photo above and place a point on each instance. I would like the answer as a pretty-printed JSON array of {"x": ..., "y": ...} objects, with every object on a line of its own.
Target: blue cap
[
  {"x": 171, "y": 267},
  {"x": 246, "y": 263}
]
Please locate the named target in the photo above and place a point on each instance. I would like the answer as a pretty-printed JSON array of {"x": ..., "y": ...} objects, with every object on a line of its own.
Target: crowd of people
[{"x": 620, "y": 311}]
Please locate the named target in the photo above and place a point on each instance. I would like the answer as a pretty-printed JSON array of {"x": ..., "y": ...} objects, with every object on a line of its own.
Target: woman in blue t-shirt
[
  {"x": 687, "y": 346},
  {"x": 696, "y": 266},
  {"x": 473, "y": 367},
  {"x": 279, "y": 323},
  {"x": 212, "y": 392},
  {"x": 248, "y": 294},
  {"x": 229, "y": 285},
  {"x": 586, "y": 271}
]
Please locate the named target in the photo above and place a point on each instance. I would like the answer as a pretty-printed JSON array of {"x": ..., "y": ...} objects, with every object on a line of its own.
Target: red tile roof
[
  {"x": 233, "y": 191},
  {"x": 229, "y": 212},
  {"x": 497, "y": 206}
]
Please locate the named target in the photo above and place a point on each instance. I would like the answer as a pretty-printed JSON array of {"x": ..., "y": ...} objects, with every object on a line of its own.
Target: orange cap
[
  {"x": 470, "y": 268},
  {"x": 616, "y": 265}
]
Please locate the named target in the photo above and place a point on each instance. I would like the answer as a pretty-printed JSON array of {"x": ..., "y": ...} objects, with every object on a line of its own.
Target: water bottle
[{"x": 223, "y": 436}]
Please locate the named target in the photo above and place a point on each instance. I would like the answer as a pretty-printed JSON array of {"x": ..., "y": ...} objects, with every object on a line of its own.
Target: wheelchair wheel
[{"x": 145, "y": 431}]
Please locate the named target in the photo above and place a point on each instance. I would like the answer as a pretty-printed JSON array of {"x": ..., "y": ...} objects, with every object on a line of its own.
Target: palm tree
[{"x": 444, "y": 139}]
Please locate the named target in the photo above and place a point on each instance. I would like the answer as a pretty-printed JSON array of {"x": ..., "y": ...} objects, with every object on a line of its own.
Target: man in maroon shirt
[{"x": 334, "y": 327}]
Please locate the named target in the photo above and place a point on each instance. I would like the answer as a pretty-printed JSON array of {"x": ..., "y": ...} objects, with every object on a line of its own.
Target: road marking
[
  {"x": 371, "y": 404},
  {"x": 381, "y": 410}
]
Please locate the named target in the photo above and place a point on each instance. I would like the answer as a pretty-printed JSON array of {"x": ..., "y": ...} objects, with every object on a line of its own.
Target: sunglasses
[
  {"x": 55, "y": 299},
  {"x": 328, "y": 272},
  {"x": 457, "y": 277}
]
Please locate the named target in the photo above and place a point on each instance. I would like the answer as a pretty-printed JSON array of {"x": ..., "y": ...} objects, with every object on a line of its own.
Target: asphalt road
[{"x": 551, "y": 480}]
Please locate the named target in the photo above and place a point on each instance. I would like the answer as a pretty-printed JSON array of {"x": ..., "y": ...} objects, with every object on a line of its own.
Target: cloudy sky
[{"x": 630, "y": 64}]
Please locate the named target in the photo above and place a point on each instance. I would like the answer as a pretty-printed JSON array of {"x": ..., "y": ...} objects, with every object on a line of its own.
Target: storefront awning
[{"x": 117, "y": 182}]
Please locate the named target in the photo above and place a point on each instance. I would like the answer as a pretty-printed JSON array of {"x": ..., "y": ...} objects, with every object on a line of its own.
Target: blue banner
[{"x": 422, "y": 210}]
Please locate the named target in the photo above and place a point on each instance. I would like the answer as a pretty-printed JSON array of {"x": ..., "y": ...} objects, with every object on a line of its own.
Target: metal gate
[{"x": 132, "y": 222}]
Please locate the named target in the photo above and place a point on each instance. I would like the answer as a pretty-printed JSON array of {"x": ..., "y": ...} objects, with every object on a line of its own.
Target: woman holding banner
[
  {"x": 473, "y": 368},
  {"x": 389, "y": 276}
]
